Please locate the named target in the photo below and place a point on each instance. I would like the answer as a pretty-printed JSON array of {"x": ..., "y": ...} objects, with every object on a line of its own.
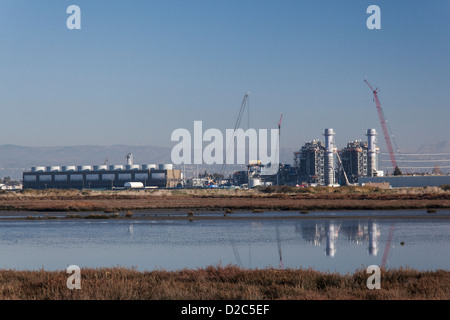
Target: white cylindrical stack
[
  {"x": 329, "y": 157},
  {"x": 371, "y": 152}
]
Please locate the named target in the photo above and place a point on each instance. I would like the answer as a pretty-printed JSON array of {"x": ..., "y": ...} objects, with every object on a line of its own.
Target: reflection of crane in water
[
  {"x": 388, "y": 246},
  {"x": 235, "y": 251},
  {"x": 279, "y": 247}
]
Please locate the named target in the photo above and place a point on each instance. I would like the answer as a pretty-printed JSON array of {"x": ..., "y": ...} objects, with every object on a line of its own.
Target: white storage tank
[
  {"x": 38, "y": 169},
  {"x": 84, "y": 168},
  {"x": 116, "y": 167},
  {"x": 254, "y": 182},
  {"x": 53, "y": 169},
  {"x": 149, "y": 166},
  {"x": 101, "y": 168},
  {"x": 166, "y": 166},
  {"x": 133, "y": 167},
  {"x": 69, "y": 168},
  {"x": 134, "y": 185}
]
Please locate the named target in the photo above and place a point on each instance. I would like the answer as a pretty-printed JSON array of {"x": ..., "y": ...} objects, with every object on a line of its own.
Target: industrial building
[
  {"x": 354, "y": 161},
  {"x": 359, "y": 159},
  {"x": 256, "y": 175},
  {"x": 309, "y": 162},
  {"x": 102, "y": 176},
  {"x": 316, "y": 161}
]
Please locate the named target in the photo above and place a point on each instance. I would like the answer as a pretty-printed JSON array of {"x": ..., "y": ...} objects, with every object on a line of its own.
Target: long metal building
[{"x": 101, "y": 176}]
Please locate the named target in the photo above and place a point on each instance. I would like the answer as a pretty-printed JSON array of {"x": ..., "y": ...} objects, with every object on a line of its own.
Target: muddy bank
[{"x": 166, "y": 199}]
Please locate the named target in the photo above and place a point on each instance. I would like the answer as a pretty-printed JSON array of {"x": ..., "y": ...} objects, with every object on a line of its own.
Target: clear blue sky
[{"x": 137, "y": 70}]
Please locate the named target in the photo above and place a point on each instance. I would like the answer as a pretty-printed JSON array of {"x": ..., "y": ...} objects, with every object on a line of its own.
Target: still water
[{"x": 325, "y": 244}]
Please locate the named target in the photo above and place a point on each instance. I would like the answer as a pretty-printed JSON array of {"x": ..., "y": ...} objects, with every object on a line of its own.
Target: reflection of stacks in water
[
  {"x": 328, "y": 232},
  {"x": 332, "y": 232},
  {"x": 374, "y": 233}
]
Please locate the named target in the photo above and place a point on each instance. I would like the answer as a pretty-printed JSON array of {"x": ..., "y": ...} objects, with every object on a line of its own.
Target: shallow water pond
[{"x": 330, "y": 244}]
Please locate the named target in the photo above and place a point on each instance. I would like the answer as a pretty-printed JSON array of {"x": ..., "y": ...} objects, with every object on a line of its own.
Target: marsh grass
[{"x": 217, "y": 282}]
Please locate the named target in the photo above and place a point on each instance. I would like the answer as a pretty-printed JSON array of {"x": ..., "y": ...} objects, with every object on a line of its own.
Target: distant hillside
[
  {"x": 435, "y": 147},
  {"x": 16, "y": 159}
]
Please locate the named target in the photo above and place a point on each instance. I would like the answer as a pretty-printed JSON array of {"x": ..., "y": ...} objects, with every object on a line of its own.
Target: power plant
[{"x": 317, "y": 164}]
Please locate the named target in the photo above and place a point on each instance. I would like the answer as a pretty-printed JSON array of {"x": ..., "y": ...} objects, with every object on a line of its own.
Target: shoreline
[
  {"x": 152, "y": 216},
  {"x": 323, "y": 199}
]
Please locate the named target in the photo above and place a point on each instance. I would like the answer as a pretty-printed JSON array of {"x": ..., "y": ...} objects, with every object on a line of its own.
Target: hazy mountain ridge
[{"x": 15, "y": 159}]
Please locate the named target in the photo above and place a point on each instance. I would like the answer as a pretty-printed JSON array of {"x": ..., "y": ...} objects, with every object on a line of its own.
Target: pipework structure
[
  {"x": 359, "y": 158},
  {"x": 354, "y": 161},
  {"x": 309, "y": 163}
]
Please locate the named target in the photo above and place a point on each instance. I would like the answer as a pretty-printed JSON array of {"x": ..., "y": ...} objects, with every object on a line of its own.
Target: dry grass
[
  {"x": 58, "y": 193},
  {"x": 218, "y": 282}
]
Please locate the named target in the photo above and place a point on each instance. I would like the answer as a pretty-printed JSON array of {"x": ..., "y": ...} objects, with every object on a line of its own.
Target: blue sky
[{"x": 137, "y": 70}]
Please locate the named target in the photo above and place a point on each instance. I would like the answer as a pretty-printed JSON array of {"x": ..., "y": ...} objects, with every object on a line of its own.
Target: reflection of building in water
[
  {"x": 311, "y": 232},
  {"x": 317, "y": 233},
  {"x": 356, "y": 232}
]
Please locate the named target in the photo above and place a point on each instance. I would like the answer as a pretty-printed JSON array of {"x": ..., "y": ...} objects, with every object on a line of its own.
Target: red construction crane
[{"x": 383, "y": 125}]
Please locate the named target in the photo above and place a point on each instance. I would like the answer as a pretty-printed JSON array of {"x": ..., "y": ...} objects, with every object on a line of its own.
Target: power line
[
  {"x": 441, "y": 167},
  {"x": 421, "y": 154},
  {"x": 419, "y": 160}
]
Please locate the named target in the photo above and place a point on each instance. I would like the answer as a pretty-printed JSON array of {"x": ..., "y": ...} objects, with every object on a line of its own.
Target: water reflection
[
  {"x": 336, "y": 244},
  {"x": 319, "y": 232}
]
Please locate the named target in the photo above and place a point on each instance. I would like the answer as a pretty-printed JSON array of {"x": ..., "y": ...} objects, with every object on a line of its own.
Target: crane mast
[
  {"x": 236, "y": 125},
  {"x": 383, "y": 125}
]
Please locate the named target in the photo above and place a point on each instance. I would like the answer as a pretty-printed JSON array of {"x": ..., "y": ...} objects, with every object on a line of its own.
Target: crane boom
[
  {"x": 236, "y": 125},
  {"x": 383, "y": 125},
  {"x": 343, "y": 170},
  {"x": 279, "y": 122}
]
